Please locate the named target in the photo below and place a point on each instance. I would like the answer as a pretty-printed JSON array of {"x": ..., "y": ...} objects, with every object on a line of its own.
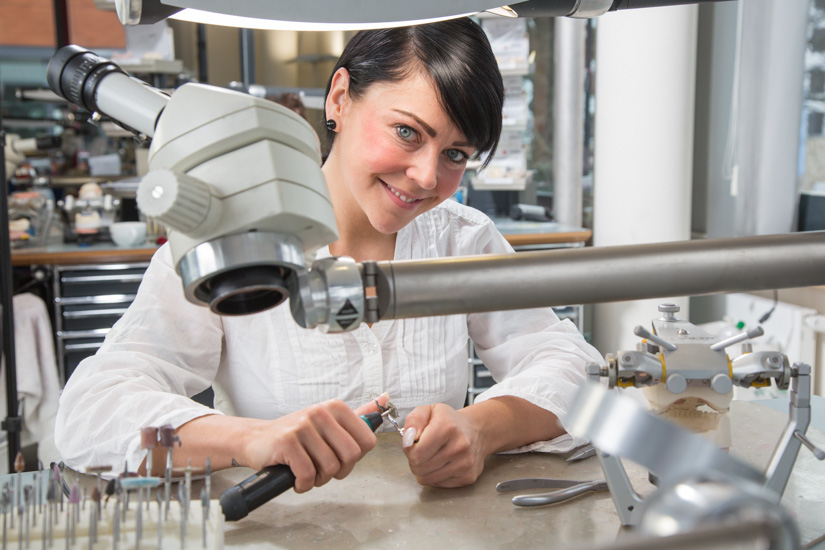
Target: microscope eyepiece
[
  {"x": 101, "y": 86},
  {"x": 75, "y": 73}
]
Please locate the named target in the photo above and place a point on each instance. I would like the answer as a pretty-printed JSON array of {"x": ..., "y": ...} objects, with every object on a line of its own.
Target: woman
[{"x": 405, "y": 109}]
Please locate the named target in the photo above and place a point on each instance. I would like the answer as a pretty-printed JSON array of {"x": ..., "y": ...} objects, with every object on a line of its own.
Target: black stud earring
[{"x": 330, "y": 124}]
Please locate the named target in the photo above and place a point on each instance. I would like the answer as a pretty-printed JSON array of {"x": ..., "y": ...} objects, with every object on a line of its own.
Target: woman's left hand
[{"x": 443, "y": 446}]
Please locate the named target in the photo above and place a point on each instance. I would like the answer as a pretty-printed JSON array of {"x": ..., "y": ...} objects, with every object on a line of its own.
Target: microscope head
[{"x": 236, "y": 179}]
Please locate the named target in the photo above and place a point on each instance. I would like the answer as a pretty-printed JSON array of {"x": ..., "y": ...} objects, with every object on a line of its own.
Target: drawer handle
[
  {"x": 75, "y": 334},
  {"x": 83, "y": 347},
  {"x": 104, "y": 299},
  {"x": 91, "y": 313},
  {"x": 103, "y": 279}
]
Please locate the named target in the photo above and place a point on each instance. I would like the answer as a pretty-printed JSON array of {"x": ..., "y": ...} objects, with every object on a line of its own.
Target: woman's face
[{"x": 397, "y": 152}]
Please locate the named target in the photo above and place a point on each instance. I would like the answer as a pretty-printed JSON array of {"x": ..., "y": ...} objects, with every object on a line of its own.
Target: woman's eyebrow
[
  {"x": 427, "y": 127},
  {"x": 430, "y": 131}
]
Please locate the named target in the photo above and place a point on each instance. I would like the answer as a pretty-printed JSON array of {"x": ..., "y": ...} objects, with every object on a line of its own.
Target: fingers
[
  {"x": 371, "y": 407},
  {"x": 415, "y": 423},
  {"x": 322, "y": 442},
  {"x": 446, "y": 453}
]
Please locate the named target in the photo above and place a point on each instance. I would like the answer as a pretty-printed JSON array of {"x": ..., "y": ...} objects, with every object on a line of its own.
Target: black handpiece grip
[
  {"x": 250, "y": 493},
  {"x": 267, "y": 484}
]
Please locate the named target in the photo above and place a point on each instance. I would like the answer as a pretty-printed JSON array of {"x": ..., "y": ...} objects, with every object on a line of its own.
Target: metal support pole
[
  {"x": 12, "y": 424},
  {"x": 446, "y": 286},
  {"x": 61, "y": 24},
  {"x": 568, "y": 119},
  {"x": 247, "y": 57},
  {"x": 203, "y": 74}
]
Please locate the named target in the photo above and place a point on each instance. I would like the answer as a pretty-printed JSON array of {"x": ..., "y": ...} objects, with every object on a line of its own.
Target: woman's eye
[
  {"x": 405, "y": 132},
  {"x": 456, "y": 155}
]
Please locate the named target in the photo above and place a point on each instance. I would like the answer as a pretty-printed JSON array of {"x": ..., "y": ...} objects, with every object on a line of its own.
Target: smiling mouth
[{"x": 401, "y": 195}]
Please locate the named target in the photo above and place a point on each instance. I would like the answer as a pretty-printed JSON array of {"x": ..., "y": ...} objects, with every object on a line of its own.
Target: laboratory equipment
[
  {"x": 238, "y": 182},
  {"x": 688, "y": 379},
  {"x": 16, "y": 149},
  {"x": 268, "y": 483},
  {"x": 357, "y": 14},
  {"x": 700, "y": 486},
  {"x": 52, "y": 507},
  {"x": 564, "y": 489},
  {"x": 237, "y": 179},
  {"x": 685, "y": 372},
  {"x": 88, "y": 216}
]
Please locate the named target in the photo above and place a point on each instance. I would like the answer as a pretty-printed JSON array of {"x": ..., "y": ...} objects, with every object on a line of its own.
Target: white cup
[{"x": 128, "y": 234}]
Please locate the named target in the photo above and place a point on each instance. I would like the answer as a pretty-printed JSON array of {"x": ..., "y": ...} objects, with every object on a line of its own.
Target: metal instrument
[
  {"x": 582, "y": 453},
  {"x": 678, "y": 363},
  {"x": 390, "y": 413},
  {"x": 566, "y": 489},
  {"x": 700, "y": 486}
]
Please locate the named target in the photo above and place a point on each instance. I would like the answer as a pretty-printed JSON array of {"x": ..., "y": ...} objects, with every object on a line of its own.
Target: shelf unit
[{"x": 88, "y": 300}]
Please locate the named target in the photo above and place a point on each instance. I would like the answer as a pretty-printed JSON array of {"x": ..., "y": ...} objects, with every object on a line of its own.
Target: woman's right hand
[{"x": 321, "y": 442}]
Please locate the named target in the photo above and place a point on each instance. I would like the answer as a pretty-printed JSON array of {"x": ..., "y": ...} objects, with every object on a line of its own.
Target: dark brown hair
[{"x": 455, "y": 54}]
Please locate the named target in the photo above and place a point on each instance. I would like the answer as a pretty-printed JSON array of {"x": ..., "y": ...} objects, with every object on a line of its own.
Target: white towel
[{"x": 38, "y": 385}]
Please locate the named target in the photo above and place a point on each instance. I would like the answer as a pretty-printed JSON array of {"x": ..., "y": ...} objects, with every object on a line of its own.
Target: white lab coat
[
  {"x": 165, "y": 349},
  {"x": 38, "y": 386}
]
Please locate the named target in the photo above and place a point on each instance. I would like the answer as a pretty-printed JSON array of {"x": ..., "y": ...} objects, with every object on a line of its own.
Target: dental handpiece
[{"x": 268, "y": 483}]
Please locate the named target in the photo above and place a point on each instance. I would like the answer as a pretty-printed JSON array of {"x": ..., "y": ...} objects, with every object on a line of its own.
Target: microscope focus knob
[{"x": 177, "y": 200}]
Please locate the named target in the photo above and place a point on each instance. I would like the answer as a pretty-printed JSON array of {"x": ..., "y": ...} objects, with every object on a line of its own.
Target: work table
[{"x": 381, "y": 505}]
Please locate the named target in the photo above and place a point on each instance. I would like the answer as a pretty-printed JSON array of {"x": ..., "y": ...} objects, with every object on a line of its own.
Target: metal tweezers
[{"x": 566, "y": 489}]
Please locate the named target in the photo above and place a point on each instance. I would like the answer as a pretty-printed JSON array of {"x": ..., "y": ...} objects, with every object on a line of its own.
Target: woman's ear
[{"x": 338, "y": 97}]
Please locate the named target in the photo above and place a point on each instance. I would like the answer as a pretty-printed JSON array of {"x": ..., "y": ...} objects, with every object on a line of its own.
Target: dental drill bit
[
  {"x": 97, "y": 471},
  {"x": 139, "y": 520},
  {"x": 111, "y": 486},
  {"x": 95, "y": 511},
  {"x": 187, "y": 483},
  {"x": 167, "y": 487},
  {"x": 5, "y": 502},
  {"x": 159, "y": 498},
  {"x": 183, "y": 518},
  {"x": 74, "y": 505},
  {"x": 51, "y": 500},
  {"x": 20, "y": 526},
  {"x": 148, "y": 441},
  {"x": 60, "y": 484},
  {"x": 116, "y": 524},
  {"x": 27, "y": 491},
  {"x": 205, "y": 512},
  {"x": 19, "y": 468},
  {"x": 208, "y": 482},
  {"x": 167, "y": 439},
  {"x": 44, "y": 528}
]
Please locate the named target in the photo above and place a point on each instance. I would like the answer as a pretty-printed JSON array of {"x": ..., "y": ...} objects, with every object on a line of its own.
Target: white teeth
[{"x": 400, "y": 196}]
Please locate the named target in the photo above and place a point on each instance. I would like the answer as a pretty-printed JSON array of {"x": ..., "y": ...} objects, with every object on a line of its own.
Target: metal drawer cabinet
[{"x": 88, "y": 300}]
